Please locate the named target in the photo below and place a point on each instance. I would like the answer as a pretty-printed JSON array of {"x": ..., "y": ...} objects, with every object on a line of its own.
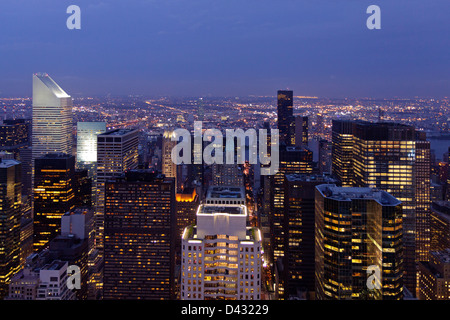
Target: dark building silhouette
[
  {"x": 298, "y": 263},
  {"x": 286, "y": 120},
  {"x": 293, "y": 160}
]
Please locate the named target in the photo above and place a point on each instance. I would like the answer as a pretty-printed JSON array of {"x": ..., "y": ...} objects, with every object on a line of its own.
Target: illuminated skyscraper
[
  {"x": 140, "y": 226},
  {"x": 87, "y": 141},
  {"x": 357, "y": 228},
  {"x": 293, "y": 160},
  {"x": 384, "y": 156},
  {"x": 221, "y": 256},
  {"x": 52, "y": 117},
  {"x": 296, "y": 270},
  {"x": 422, "y": 197},
  {"x": 87, "y": 149},
  {"x": 117, "y": 152},
  {"x": 342, "y": 152},
  {"x": 227, "y": 174},
  {"x": 286, "y": 121},
  {"x": 10, "y": 214},
  {"x": 169, "y": 168},
  {"x": 447, "y": 196},
  {"x": 187, "y": 202},
  {"x": 54, "y": 195}
]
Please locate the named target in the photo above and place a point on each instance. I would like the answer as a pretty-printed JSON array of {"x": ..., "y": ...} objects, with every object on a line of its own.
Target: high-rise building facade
[
  {"x": 357, "y": 228},
  {"x": 384, "y": 156},
  {"x": 87, "y": 149},
  {"x": 293, "y": 160},
  {"x": 324, "y": 156},
  {"x": 296, "y": 269},
  {"x": 117, "y": 152},
  {"x": 140, "y": 226},
  {"x": 221, "y": 256},
  {"x": 187, "y": 202},
  {"x": 10, "y": 214},
  {"x": 14, "y": 135},
  {"x": 342, "y": 152},
  {"x": 301, "y": 131},
  {"x": 54, "y": 195},
  {"x": 440, "y": 225},
  {"x": 286, "y": 122},
  {"x": 169, "y": 168},
  {"x": 52, "y": 117},
  {"x": 434, "y": 276},
  {"x": 423, "y": 197},
  {"x": 87, "y": 133},
  {"x": 27, "y": 171}
]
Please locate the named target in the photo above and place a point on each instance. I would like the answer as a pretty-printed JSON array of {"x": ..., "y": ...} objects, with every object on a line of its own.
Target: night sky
[{"x": 228, "y": 47}]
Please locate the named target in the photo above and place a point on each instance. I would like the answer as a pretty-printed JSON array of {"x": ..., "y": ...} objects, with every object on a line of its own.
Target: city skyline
[
  {"x": 225, "y": 150},
  {"x": 202, "y": 48}
]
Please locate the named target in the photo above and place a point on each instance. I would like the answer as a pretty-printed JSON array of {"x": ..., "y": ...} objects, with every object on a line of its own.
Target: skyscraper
[
  {"x": 10, "y": 214},
  {"x": 301, "y": 131},
  {"x": 87, "y": 141},
  {"x": 187, "y": 202},
  {"x": 87, "y": 149},
  {"x": 383, "y": 156},
  {"x": 422, "y": 197},
  {"x": 14, "y": 136},
  {"x": 324, "y": 157},
  {"x": 286, "y": 122},
  {"x": 440, "y": 225},
  {"x": 293, "y": 160},
  {"x": 169, "y": 168},
  {"x": 140, "y": 226},
  {"x": 52, "y": 117},
  {"x": 54, "y": 195},
  {"x": 117, "y": 152},
  {"x": 221, "y": 256},
  {"x": 357, "y": 228},
  {"x": 296, "y": 269},
  {"x": 342, "y": 152}
]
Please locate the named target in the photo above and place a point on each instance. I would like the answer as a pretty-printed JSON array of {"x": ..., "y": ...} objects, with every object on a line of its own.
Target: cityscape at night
[{"x": 197, "y": 188}]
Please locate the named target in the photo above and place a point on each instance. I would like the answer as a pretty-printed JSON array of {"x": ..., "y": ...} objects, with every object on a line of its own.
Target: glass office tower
[
  {"x": 52, "y": 117},
  {"x": 357, "y": 228}
]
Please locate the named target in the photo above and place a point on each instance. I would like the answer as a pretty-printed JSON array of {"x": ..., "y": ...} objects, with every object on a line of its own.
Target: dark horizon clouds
[{"x": 228, "y": 47}]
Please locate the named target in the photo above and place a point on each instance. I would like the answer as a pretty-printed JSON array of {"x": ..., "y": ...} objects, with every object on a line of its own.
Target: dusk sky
[{"x": 228, "y": 47}]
